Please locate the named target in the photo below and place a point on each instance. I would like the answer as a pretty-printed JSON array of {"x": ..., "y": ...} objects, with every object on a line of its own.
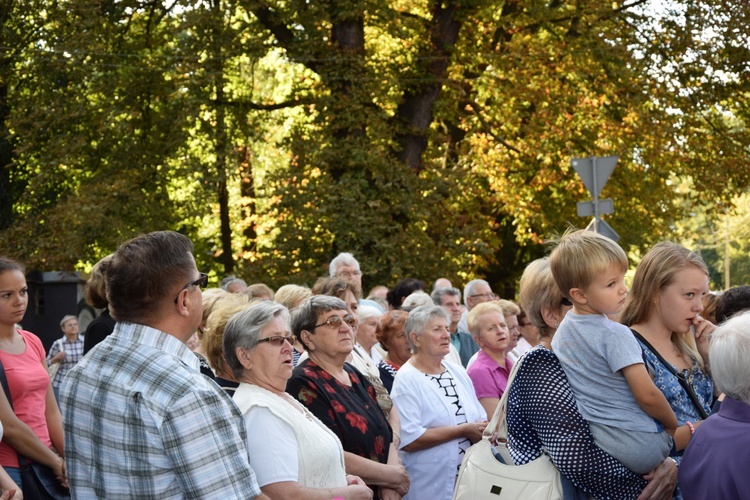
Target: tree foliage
[{"x": 428, "y": 138}]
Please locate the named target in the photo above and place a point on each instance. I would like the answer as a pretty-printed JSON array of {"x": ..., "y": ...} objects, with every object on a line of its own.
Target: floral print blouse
[{"x": 352, "y": 413}]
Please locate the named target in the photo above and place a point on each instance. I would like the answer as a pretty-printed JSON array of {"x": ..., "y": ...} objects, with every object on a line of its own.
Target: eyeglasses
[
  {"x": 201, "y": 282},
  {"x": 564, "y": 302},
  {"x": 348, "y": 274},
  {"x": 278, "y": 340},
  {"x": 488, "y": 296},
  {"x": 335, "y": 321}
]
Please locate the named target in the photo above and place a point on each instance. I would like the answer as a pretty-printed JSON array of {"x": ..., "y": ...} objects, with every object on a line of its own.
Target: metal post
[{"x": 596, "y": 197}]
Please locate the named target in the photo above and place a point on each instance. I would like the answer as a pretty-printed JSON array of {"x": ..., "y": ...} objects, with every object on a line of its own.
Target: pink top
[
  {"x": 28, "y": 382},
  {"x": 489, "y": 378}
]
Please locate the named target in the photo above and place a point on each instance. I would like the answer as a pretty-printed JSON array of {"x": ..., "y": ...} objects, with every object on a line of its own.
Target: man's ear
[
  {"x": 183, "y": 309},
  {"x": 578, "y": 295}
]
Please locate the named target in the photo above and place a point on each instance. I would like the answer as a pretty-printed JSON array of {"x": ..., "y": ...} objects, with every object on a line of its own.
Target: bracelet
[{"x": 691, "y": 427}]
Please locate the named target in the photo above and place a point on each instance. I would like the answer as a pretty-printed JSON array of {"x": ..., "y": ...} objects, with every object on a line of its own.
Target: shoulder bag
[
  {"x": 38, "y": 482},
  {"x": 55, "y": 367},
  {"x": 680, "y": 376},
  {"x": 482, "y": 476}
]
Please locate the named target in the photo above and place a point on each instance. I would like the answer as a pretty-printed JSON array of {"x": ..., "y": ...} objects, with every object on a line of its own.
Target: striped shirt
[{"x": 140, "y": 421}]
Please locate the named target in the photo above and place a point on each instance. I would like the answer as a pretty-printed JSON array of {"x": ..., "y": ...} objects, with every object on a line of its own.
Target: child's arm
[{"x": 650, "y": 399}]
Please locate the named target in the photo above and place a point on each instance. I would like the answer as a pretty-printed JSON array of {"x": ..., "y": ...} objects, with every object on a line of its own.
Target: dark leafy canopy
[{"x": 428, "y": 138}]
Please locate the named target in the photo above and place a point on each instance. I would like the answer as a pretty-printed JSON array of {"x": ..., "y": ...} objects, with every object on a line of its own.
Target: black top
[{"x": 98, "y": 330}]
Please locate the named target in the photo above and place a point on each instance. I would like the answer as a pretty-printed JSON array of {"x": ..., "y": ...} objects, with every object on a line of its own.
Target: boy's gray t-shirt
[{"x": 592, "y": 350}]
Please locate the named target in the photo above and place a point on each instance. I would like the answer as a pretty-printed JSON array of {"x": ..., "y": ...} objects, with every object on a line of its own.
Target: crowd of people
[{"x": 178, "y": 390}]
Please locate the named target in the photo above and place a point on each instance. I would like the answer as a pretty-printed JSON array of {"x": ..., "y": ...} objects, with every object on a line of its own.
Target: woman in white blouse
[
  {"x": 292, "y": 453},
  {"x": 439, "y": 412}
]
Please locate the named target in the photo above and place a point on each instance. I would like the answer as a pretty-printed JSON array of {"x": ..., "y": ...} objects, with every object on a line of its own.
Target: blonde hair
[
  {"x": 655, "y": 272},
  {"x": 290, "y": 296},
  {"x": 96, "y": 285},
  {"x": 259, "y": 291},
  {"x": 473, "y": 318},
  {"x": 509, "y": 308},
  {"x": 580, "y": 255},
  {"x": 213, "y": 337},
  {"x": 538, "y": 291}
]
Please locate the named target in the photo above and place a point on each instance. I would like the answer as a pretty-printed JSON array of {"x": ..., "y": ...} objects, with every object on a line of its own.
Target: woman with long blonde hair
[{"x": 663, "y": 311}]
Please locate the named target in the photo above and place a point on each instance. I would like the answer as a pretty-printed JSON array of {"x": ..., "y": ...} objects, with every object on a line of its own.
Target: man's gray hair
[
  {"x": 244, "y": 328},
  {"x": 419, "y": 318},
  {"x": 438, "y": 294},
  {"x": 470, "y": 286},
  {"x": 342, "y": 259},
  {"x": 729, "y": 352}
]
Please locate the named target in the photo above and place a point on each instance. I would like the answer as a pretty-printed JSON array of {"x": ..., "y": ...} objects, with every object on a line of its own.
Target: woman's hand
[
  {"x": 400, "y": 479},
  {"x": 473, "y": 430},
  {"x": 661, "y": 481},
  {"x": 703, "y": 330},
  {"x": 357, "y": 491},
  {"x": 12, "y": 495},
  {"x": 61, "y": 473}
]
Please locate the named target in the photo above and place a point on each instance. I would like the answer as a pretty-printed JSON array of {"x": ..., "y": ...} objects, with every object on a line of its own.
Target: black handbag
[{"x": 38, "y": 482}]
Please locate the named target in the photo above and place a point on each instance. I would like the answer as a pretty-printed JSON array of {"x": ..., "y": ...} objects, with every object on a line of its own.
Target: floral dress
[{"x": 352, "y": 413}]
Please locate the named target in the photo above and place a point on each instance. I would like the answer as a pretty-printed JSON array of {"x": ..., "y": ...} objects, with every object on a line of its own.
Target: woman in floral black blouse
[{"x": 342, "y": 398}]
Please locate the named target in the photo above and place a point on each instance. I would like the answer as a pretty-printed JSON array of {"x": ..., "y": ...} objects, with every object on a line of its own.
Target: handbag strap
[
  {"x": 680, "y": 377},
  {"x": 497, "y": 426},
  {"x": 4, "y": 381}
]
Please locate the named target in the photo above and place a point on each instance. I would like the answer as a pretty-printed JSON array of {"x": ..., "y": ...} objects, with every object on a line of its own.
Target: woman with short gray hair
[
  {"x": 292, "y": 453},
  {"x": 440, "y": 415},
  {"x": 341, "y": 397},
  {"x": 715, "y": 462}
]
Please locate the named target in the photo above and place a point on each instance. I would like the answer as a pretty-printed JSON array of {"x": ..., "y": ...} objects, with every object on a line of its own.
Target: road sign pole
[{"x": 596, "y": 195}]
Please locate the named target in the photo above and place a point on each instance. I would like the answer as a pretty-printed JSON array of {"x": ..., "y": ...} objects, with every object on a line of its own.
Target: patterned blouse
[
  {"x": 681, "y": 404},
  {"x": 542, "y": 415},
  {"x": 352, "y": 413},
  {"x": 447, "y": 384},
  {"x": 387, "y": 373}
]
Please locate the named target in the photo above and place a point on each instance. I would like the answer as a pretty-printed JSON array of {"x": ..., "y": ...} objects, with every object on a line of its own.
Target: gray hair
[
  {"x": 416, "y": 299},
  {"x": 67, "y": 318},
  {"x": 226, "y": 282},
  {"x": 419, "y": 318},
  {"x": 306, "y": 315},
  {"x": 342, "y": 259},
  {"x": 729, "y": 353},
  {"x": 470, "y": 286},
  {"x": 244, "y": 328},
  {"x": 367, "y": 312},
  {"x": 438, "y": 294}
]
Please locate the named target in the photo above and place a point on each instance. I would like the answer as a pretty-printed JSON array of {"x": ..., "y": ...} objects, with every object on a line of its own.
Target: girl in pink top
[{"x": 34, "y": 425}]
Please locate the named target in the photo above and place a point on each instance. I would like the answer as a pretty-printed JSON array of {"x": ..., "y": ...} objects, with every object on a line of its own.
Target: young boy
[{"x": 602, "y": 358}]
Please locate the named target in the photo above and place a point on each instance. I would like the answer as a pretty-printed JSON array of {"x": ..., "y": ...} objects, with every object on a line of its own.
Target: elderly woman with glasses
[
  {"x": 440, "y": 415},
  {"x": 342, "y": 398},
  {"x": 292, "y": 453}
]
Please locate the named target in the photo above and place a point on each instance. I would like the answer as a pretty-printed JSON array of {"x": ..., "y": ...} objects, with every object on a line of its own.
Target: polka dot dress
[{"x": 543, "y": 416}]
